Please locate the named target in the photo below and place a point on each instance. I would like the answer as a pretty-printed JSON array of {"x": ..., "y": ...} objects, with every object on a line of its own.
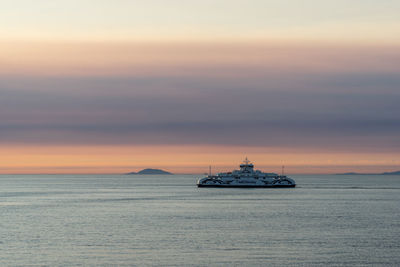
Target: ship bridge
[{"x": 246, "y": 166}]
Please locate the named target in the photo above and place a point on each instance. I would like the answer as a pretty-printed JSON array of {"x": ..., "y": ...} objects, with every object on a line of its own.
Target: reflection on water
[{"x": 167, "y": 220}]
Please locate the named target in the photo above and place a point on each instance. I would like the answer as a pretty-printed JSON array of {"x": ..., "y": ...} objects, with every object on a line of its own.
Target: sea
[{"x": 133, "y": 220}]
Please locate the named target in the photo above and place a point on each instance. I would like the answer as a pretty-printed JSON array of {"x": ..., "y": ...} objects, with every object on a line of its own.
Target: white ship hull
[{"x": 247, "y": 185}]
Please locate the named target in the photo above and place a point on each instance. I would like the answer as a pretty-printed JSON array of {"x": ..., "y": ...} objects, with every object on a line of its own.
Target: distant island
[
  {"x": 383, "y": 173},
  {"x": 150, "y": 171}
]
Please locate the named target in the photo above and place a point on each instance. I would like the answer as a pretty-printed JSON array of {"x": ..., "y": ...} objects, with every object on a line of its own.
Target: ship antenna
[
  {"x": 283, "y": 170},
  {"x": 209, "y": 171}
]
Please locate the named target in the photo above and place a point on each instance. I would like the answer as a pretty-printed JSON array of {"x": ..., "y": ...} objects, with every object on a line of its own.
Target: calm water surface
[{"x": 77, "y": 220}]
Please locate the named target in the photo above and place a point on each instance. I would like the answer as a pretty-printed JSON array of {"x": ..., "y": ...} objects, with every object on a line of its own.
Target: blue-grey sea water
[{"x": 103, "y": 220}]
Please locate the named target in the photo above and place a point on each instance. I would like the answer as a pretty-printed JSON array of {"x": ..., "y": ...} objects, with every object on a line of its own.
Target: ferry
[{"x": 246, "y": 176}]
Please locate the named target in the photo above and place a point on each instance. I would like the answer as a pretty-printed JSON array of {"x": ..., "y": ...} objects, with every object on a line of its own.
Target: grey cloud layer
[
  {"x": 307, "y": 110},
  {"x": 311, "y": 97}
]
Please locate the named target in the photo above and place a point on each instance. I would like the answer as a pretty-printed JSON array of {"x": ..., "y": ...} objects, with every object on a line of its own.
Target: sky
[{"x": 118, "y": 86}]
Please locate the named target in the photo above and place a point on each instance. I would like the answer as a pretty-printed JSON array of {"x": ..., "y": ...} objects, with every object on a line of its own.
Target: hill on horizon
[
  {"x": 150, "y": 171},
  {"x": 382, "y": 173}
]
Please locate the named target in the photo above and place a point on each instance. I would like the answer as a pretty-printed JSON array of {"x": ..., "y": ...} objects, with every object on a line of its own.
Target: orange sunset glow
[{"x": 180, "y": 159}]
